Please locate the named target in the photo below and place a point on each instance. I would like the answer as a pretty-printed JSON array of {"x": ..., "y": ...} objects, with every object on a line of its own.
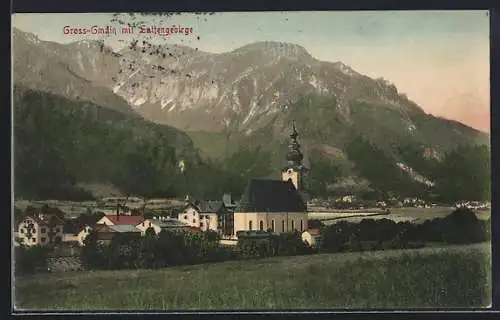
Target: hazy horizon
[{"x": 439, "y": 59}]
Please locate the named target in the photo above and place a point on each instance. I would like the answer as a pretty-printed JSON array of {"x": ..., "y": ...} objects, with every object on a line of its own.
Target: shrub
[
  {"x": 460, "y": 227},
  {"x": 29, "y": 260}
]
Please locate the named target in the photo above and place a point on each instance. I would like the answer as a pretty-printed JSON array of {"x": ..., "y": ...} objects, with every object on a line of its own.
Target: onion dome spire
[{"x": 294, "y": 156}]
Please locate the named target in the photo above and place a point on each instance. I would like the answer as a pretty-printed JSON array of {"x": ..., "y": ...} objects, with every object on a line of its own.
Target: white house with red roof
[{"x": 113, "y": 220}]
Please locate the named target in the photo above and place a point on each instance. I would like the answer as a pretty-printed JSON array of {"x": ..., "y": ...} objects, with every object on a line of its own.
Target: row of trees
[
  {"x": 152, "y": 251},
  {"x": 181, "y": 248},
  {"x": 184, "y": 248},
  {"x": 271, "y": 245},
  {"x": 460, "y": 227}
]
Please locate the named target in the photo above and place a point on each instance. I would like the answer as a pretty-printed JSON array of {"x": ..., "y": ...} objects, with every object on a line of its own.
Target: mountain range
[{"x": 246, "y": 97}]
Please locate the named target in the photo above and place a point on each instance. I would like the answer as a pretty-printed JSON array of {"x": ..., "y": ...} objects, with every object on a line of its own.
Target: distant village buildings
[
  {"x": 266, "y": 205},
  {"x": 160, "y": 224}
]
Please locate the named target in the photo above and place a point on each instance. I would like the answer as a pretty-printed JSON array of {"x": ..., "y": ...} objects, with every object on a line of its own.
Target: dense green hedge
[
  {"x": 29, "y": 260},
  {"x": 460, "y": 227},
  {"x": 269, "y": 244},
  {"x": 153, "y": 251}
]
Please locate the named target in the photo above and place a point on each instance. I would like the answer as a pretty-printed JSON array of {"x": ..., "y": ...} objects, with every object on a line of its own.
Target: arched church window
[
  {"x": 301, "y": 225},
  {"x": 283, "y": 225},
  {"x": 261, "y": 225},
  {"x": 250, "y": 225},
  {"x": 272, "y": 225},
  {"x": 293, "y": 224}
]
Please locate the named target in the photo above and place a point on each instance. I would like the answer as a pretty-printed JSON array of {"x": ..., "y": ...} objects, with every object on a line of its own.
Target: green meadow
[{"x": 452, "y": 276}]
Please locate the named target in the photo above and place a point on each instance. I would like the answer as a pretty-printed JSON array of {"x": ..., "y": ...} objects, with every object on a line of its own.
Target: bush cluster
[{"x": 460, "y": 227}]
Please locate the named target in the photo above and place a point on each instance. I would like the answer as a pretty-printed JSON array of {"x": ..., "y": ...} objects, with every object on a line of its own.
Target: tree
[
  {"x": 92, "y": 256},
  {"x": 147, "y": 250},
  {"x": 29, "y": 260}
]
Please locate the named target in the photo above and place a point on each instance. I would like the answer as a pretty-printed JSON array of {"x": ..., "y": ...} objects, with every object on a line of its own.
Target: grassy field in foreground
[{"x": 455, "y": 276}]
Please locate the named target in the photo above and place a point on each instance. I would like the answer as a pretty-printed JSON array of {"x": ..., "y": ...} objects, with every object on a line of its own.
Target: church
[{"x": 276, "y": 205}]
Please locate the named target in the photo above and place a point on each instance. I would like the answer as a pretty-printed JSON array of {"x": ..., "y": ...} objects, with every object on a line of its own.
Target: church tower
[{"x": 294, "y": 170}]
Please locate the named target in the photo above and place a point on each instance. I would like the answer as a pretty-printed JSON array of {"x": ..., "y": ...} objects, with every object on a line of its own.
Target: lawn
[{"x": 455, "y": 276}]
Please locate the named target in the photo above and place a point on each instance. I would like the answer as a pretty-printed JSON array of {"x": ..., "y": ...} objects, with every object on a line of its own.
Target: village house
[
  {"x": 276, "y": 205},
  {"x": 162, "y": 223},
  {"x": 203, "y": 214},
  {"x": 112, "y": 220},
  {"x": 106, "y": 233},
  {"x": 312, "y": 237},
  {"x": 41, "y": 229}
]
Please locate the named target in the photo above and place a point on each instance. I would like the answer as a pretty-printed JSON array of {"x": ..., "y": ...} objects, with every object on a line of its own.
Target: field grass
[
  {"x": 455, "y": 276},
  {"x": 415, "y": 215}
]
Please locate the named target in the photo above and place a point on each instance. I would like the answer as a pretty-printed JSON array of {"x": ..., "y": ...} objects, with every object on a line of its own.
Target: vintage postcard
[{"x": 260, "y": 160}]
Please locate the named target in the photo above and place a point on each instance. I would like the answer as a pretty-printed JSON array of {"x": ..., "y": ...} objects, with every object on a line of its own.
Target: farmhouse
[
  {"x": 276, "y": 205},
  {"x": 41, "y": 229},
  {"x": 203, "y": 214},
  {"x": 105, "y": 233},
  {"x": 160, "y": 224},
  {"x": 112, "y": 220}
]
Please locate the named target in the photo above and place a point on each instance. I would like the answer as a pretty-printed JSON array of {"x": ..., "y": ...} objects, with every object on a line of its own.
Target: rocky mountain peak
[{"x": 276, "y": 49}]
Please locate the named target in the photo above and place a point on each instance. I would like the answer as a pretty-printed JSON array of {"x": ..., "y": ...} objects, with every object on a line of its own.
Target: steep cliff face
[
  {"x": 249, "y": 95},
  {"x": 195, "y": 90},
  {"x": 200, "y": 91}
]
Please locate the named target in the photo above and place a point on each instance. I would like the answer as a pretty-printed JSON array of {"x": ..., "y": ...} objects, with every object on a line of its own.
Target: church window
[
  {"x": 272, "y": 225},
  {"x": 250, "y": 225},
  {"x": 201, "y": 224},
  {"x": 194, "y": 220},
  {"x": 283, "y": 225},
  {"x": 293, "y": 224},
  {"x": 261, "y": 225},
  {"x": 301, "y": 225},
  {"x": 185, "y": 217}
]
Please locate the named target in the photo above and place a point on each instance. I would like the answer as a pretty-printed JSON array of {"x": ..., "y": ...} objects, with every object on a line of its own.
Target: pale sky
[{"x": 440, "y": 59}]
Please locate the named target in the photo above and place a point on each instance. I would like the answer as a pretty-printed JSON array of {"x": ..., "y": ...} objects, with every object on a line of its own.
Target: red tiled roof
[
  {"x": 134, "y": 220},
  {"x": 194, "y": 230},
  {"x": 102, "y": 228},
  {"x": 314, "y": 232}
]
